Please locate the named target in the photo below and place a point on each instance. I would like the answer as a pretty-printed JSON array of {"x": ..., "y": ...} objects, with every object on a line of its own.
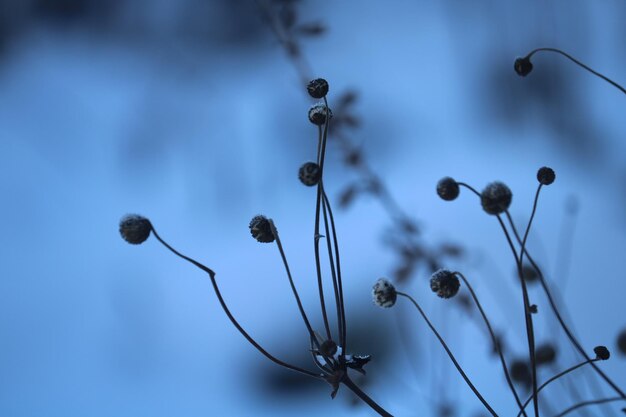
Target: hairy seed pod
[
  {"x": 602, "y": 352},
  {"x": 448, "y": 189},
  {"x": 317, "y": 88},
  {"x": 496, "y": 198},
  {"x": 546, "y": 175},
  {"x": 317, "y": 114},
  {"x": 310, "y": 174},
  {"x": 444, "y": 283},
  {"x": 384, "y": 293},
  {"x": 523, "y": 66},
  {"x": 135, "y": 229},
  {"x": 261, "y": 229}
]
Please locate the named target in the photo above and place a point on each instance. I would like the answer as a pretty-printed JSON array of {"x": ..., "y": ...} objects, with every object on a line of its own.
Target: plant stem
[
  {"x": 591, "y": 402},
  {"x": 363, "y": 396}
]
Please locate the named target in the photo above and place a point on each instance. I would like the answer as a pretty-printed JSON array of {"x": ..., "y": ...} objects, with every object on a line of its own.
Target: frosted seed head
[
  {"x": 135, "y": 229},
  {"x": 310, "y": 174},
  {"x": 384, "y": 293},
  {"x": 496, "y": 198},
  {"x": 317, "y": 114},
  {"x": 317, "y": 88},
  {"x": 261, "y": 229},
  {"x": 448, "y": 189},
  {"x": 444, "y": 283}
]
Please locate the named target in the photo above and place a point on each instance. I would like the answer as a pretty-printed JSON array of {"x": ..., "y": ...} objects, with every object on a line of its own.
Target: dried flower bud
[
  {"x": 328, "y": 348},
  {"x": 523, "y": 66},
  {"x": 317, "y": 114},
  {"x": 496, "y": 198},
  {"x": 448, "y": 189},
  {"x": 621, "y": 341},
  {"x": 533, "y": 309},
  {"x": 602, "y": 353},
  {"x": 317, "y": 88},
  {"x": 261, "y": 229},
  {"x": 545, "y": 354},
  {"x": 546, "y": 175},
  {"x": 384, "y": 293},
  {"x": 444, "y": 283},
  {"x": 135, "y": 229},
  {"x": 310, "y": 174}
]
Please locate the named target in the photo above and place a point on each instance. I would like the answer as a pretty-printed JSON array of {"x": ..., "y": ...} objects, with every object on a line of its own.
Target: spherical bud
[
  {"x": 384, "y": 293},
  {"x": 496, "y": 198},
  {"x": 317, "y": 88},
  {"x": 135, "y": 229},
  {"x": 621, "y": 341},
  {"x": 317, "y": 114},
  {"x": 310, "y": 174},
  {"x": 261, "y": 229},
  {"x": 328, "y": 348},
  {"x": 602, "y": 353},
  {"x": 529, "y": 273},
  {"x": 545, "y": 354},
  {"x": 546, "y": 175},
  {"x": 523, "y": 66},
  {"x": 448, "y": 189},
  {"x": 444, "y": 283},
  {"x": 520, "y": 372}
]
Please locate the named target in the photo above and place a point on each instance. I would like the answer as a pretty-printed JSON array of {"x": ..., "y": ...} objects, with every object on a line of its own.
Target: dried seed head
[
  {"x": 317, "y": 88},
  {"x": 328, "y": 348},
  {"x": 384, "y": 293},
  {"x": 529, "y": 273},
  {"x": 602, "y": 353},
  {"x": 447, "y": 189},
  {"x": 445, "y": 283},
  {"x": 496, "y": 198},
  {"x": 317, "y": 114},
  {"x": 546, "y": 175},
  {"x": 545, "y": 354},
  {"x": 261, "y": 229},
  {"x": 523, "y": 66},
  {"x": 520, "y": 372},
  {"x": 621, "y": 342},
  {"x": 135, "y": 229},
  {"x": 310, "y": 174}
]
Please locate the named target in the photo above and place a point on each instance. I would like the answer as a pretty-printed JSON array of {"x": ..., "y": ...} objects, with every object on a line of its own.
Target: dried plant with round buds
[
  {"x": 496, "y": 198},
  {"x": 523, "y": 66},
  {"x": 135, "y": 229},
  {"x": 445, "y": 283},
  {"x": 384, "y": 293},
  {"x": 261, "y": 229},
  {"x": 317, "y": 88},
  {"x": 309, "y": 174},
  {"x": 448, "y": 189},
  {"x": 545, "y": 176},
  {"x": 317, "y": 114},
  {"x": 602, "y": 353}
]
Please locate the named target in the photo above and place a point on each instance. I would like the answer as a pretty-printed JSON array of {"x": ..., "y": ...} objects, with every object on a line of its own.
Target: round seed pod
[
  {"x": 317, "y": 88},
  {"x": 317, "y": 114},
  {"x": 328, "y": 348},
  {"x": 602, "y": 352},
  {"x": 523, "y": 66},
  {"x": 310, "y": 174},
  {"x": 384, "y": 293},
  {"x": 448, "y": 189},
  {"x": 529, "y": 273},
  {"x": 444, "y": 283},
  {"x": 545, "y": 354},
  {"x": 261, "y": 229},
  {"x": 546, "y": 175},
  {"x": 496, "y": 198},
  {"x": 621, "y": 342},
  {"x": 135, "y": 229},
  {"x": 520, "y": 372}
]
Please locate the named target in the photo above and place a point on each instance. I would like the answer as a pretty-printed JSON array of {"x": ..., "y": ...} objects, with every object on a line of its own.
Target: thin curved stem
[
  {"x": 454, "y": 361},
  {"x": 580, "y": 64},
  {"x": 586, "y": 403},
  {"x": 229, "y": 314},
  {"x": 363, "y": 396},
  {"x": 469, "y": 187},
  {"x": 495, "y": 343},
  {"x": 564, "y": 326},
  {"x": 554, "y": 378},
  {"x": 530, "y": 222}
]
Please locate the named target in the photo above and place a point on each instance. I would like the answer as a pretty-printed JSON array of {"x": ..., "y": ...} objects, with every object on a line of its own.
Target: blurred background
[{"x": 194, "y": 114}]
